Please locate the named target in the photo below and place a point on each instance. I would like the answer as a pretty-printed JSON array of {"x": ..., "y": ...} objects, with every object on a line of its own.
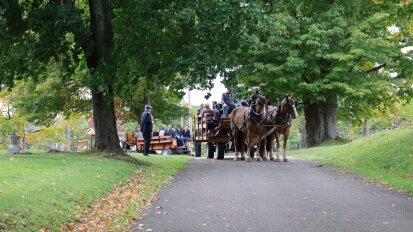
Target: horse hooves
[
  {"x": 264, "y": 158},
  {"x": 277, "y": 160},
  {"x": 259, "y": 159},
  {"x": 248, "y": 159},
  {"x": 242, "y": 158},
  {"x": 285, "y": 160},
  {"x": 272, "y": 159},
  {"x": 236, "y": 158}
]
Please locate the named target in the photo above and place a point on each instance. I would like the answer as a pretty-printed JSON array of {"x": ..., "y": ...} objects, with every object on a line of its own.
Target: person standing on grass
[{"x": 147, "y": 127}]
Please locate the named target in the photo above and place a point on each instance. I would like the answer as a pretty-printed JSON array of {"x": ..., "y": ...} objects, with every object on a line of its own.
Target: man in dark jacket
[
  {"x": 253, "y": 97},
  {"x": 229, "y": 102},
  {"x": 147, "y": 127}
]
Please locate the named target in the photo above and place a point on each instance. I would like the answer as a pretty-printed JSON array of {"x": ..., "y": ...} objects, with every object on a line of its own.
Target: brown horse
[
  {"x": 245, "y": 123},
  {"x": 287, "y": 111}
]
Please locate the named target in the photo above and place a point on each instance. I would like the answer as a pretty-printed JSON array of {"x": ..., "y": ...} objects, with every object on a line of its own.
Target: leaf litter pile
[{"x": 118, "y": 210}]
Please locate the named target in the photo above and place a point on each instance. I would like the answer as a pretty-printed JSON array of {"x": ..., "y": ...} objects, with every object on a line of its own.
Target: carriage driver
[
  {"x": 254, "y": 96},
  {"x": 229, "y": 102}
]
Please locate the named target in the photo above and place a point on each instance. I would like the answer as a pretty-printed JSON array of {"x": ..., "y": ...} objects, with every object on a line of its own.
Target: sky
[{"x": 197, "y": 96}]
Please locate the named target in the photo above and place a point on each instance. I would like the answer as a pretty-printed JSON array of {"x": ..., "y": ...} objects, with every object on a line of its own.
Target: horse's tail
[{"x": 232, "y": 124}]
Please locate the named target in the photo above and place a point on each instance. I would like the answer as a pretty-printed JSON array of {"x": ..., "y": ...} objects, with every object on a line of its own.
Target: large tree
[
  {"x": 114, "y": 46},
  {"x": 325, "y": 52}
]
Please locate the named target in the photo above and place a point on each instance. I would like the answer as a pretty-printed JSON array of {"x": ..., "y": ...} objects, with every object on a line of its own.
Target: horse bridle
[
  {"x": 291, "y": 110},
  {"x": 260, "y": 101}
]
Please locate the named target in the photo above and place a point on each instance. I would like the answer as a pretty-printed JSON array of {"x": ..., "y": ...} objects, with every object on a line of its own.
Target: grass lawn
[
  {"x": 46, "y": 190},
  {"x": 386, "y": 156}
]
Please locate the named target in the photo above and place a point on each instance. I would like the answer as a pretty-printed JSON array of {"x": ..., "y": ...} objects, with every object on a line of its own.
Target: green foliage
[
  {"x": 11, "y": 123},
  {"x": 312, "y": 49},
  {"x": 43, "y": 102},
  {"x": 8, "y": 126},
  {"x": 179, "y": 43},
  {"x": 159, "y": 48},
  {"x": 385, "y": 156}
]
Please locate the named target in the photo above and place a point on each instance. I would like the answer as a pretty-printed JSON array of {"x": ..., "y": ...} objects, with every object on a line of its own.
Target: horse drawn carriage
[{"x": 248, "y": 128}]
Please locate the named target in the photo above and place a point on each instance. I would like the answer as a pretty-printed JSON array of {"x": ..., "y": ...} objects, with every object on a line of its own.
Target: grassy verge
[
  {"x": 46, "y": 190},
  {"x": 386, "y": 157}
]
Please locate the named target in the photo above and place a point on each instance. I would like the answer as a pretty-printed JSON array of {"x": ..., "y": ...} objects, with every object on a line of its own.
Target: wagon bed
[
  {"x": 218, "y": 138},
  {"x": 167, "y": 144}
]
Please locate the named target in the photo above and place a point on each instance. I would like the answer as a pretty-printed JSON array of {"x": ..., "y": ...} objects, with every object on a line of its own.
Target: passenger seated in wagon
[
  {"x": 199, "y": 113},
  {"x": 182, "y": 136},
  {"x": 208, "y": 117}
]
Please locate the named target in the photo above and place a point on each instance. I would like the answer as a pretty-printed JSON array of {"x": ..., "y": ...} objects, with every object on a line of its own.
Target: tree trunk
[
  {"x": 146, "y": 100},
  {"x": 303, "y": 138},
  {"x": 320, "y": 121},
  {"x": 104, "y": 119},
  {"x": 366, "y": 129}
]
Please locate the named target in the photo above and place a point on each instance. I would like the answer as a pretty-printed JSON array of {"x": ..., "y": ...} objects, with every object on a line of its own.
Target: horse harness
[{"x": 254, "y": 117}]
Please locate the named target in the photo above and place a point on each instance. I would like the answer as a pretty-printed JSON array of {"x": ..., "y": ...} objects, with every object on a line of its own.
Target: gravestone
[{"x": 14, "y": 141}]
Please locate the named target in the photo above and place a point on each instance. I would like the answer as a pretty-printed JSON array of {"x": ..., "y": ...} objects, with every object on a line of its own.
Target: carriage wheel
[
  {"x": 166, "y": 152},
  {"x": 211, "y": 150},
  {"x": 221, "y": 151}
]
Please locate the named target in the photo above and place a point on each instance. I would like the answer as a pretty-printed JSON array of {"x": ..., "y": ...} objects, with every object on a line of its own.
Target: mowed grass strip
[
  {"x": 141, "y": 191},
  {"x": 47, "y": 190},
  {"x": 386, "y": 157}
]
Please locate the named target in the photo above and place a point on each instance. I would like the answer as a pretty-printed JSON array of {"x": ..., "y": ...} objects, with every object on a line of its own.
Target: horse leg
[
  {"x": 236, "y": 141},
  {"x": 285, "y": 146},
  {"x": 249, "y": 143},
  {"x": 270, "y": 145},
  {"x": 277, "y": 138},
  {"x": 242, "y": 145},
  {"x": 263, "y": 153},
  {"x": 236, "y": 157},
  {"x": 259, "y": 149}
]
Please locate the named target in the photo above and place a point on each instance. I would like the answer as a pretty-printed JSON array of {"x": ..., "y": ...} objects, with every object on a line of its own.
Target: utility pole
[
  {"x": 190, "y": 112},
  {"x": 182, "y": 118}
]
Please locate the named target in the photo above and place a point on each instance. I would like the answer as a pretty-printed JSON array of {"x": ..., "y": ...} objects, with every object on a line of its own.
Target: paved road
[{"x": 212, "y": 195}]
